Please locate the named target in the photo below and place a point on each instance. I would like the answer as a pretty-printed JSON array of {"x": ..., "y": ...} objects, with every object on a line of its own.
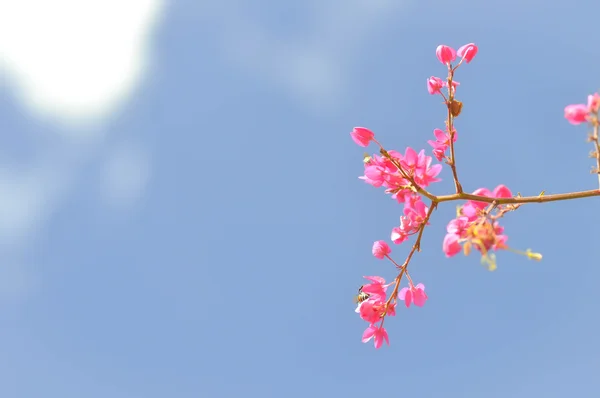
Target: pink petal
[
  {"x": 502, "y": 191},
  {"x": 384, "y": 333},
  {"x": 408, "y": 298},
  {"x": 376, "y": 279},
  {"x": 420, "y": 297},
  {"x": 368, "y": 333},
  {"x": 378, "y": 341},
  {"x": 402, "y": 293}
]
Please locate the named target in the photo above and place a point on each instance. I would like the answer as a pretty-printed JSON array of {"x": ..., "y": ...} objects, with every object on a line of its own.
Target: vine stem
[
  {"x": 416, "y": 247},
  {"x": 450, "y": 126},
  {"x": 518, "y": 199},
  {"x": 595, "y": 140}
]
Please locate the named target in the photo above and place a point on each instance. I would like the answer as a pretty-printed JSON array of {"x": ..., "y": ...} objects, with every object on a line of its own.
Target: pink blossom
[
  {"x": 401, "y": 233},
  {"x": 467, "y": 52},
  {"x": 381, "y": 249},
  {"x": 379, "y": 333},
  {"x": 445, "y": 54},
  {"x": 426, "y": 174},
  {"x": 472, "y": 209},
  {"x": 416, "y": 211},
  {"x": 593, "y": 103},
  {"x": 454, "y": 84},
  {"x": 450, "y": 246},
  {"x": 442, "y": 143},
  {"x": 419, "y": 167},
  {"x": 376, "y": 288},
  {"x": 500, "y": 242},
  {"x": 391, "y": 309},
  {"x": 438, "y": 153},
  {"x": 413, "y": 294},
  {"x": 501, "y": 191},
  {"x": 371, "y": 310},
  {"x": 434, "y": 85},
  {"x": 362, "y": 136},
  {"x": 576, "y": 114},
  {"x": 374, "y": 175},
  {"x": 374, "y": 307},
  {"x": 458, "y": 226}
]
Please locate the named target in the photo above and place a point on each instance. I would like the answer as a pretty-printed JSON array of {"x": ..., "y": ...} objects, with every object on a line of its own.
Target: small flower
[
  {"x": 501, "y": 191},
  {"x": 374, "y": 175},
  {"x": 593, "y": 103},
  {"x": 445, "y": 54},
  {"x": 576, "y": 114},
  {"x": 434, "y": 85},
  {"x": 442, "y": 142},
  {"x": 413, "y": 294},
  {"x": 379, "y": 333},
  {"x": 467, "y": 52},
  {"x": 362, "y": 136},
  {"x": 381, "y": 249},
  {"x": 450, "y": 246},
  {"x": 371, "y": 310},
  {"x": 376, "y": 288}
]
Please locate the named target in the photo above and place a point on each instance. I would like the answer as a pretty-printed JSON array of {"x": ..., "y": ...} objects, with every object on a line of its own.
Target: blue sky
[{"x": 202, "y": 233}]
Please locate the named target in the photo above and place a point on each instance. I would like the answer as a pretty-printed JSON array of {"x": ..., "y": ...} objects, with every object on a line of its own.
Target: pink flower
[
  {"x": 434, "y": 85},
  {"x": 377, "y": 288},
  {"x": 501, "y": 191},
  {"x": 450, "y": 246},
  {"x": 467, "y": 52},
  {"x": 458, "y": 226},
  {"x": 454, "y": 84},
  {"x": 379, "y": 333},
  {"x": 426, "y": 173},
  {"x": 374, "y": 308},
  {"x": 416, "y": 211},
  {"x": 391, "y": 309},
  {"x": 445, "y": 54},
  {"x": 362, "y": 136},
  {"x": 593, "y": 103},
  {"x": 414, "y": 294},
  {"x": 576, "y": 114},
  {"x": 374, "y": 175},
  {"x": 401, "y": 233},
  {"x": 371, "y": 310},
  {"x": 442, "y": 142},
  {"x": 381, "y": 249},
  {"x": 471, "y": 209},
  {"x": 418, "y": 166}
]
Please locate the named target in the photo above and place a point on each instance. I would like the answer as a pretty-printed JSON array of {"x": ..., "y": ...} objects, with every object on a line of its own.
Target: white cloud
[
  {"x": 70, "y": 64},
  {"x": 75, "y": 61}
]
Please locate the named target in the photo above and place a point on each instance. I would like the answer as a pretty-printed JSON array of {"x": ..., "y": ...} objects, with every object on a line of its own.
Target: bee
[{"x": 361, "y": 296}]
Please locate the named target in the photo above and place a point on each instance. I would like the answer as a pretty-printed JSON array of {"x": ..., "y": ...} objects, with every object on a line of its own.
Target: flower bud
[
  {"x": 434, "y": 85},
  {"x": 467, "y": 52},
  {"x": 445, "y": 54},
  {"x": 362, "y": 136}
]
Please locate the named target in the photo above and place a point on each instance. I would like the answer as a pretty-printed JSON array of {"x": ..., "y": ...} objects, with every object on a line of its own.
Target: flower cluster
[
  {"x": 475, "y": 227},
  {"x": 407, "y": 176},
  {"x": 374, "y": 306}
]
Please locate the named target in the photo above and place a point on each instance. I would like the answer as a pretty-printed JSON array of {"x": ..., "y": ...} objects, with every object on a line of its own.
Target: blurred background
[{"x": 180, "y": 213}]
